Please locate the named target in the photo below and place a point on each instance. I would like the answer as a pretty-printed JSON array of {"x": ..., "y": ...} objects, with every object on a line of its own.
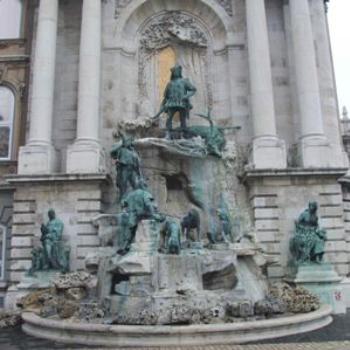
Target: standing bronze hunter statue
[{"x": 177, "y": 96}]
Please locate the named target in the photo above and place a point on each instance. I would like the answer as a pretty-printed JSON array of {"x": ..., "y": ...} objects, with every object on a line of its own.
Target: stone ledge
[
  {"x": 294, "y": 172},
  {"x": 14, "y": 58},
  {"x": 143, "y": 336},
  {"x": 24, "y": 179}
]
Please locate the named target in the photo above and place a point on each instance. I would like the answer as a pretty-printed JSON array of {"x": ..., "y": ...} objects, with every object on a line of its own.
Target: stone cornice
[
  {"x": 14, "y": 58},
  {"x": 252, "y": 175},
  {"x": 40, "y": 179}
]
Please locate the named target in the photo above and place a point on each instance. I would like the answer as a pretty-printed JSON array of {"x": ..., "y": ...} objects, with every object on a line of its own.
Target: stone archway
[
  {"x": 194, "y": 30},
  {"x": 214, "y": 15}
]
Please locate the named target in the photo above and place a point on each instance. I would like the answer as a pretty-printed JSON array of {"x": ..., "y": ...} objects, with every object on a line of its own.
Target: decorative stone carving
[
  {"x": 186, "y": 35},
  {"x": 227, "y": 5},
  {"x": 173, "y": 26},
  {"x": 3, "y": 72},
  {"x": 119, "y": 6}
]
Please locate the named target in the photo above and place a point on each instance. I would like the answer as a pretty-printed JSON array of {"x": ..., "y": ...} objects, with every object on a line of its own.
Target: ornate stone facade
[{"x": 103, "y": 62}]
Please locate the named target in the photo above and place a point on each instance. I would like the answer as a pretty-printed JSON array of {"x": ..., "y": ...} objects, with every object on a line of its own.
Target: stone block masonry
[
  {"x": 277, "y": 199},
  {"x": 76, "y": 199}
]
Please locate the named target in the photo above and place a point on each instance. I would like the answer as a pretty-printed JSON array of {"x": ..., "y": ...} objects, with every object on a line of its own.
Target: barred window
[
  {"x": 10, "y": 19},
  {"x": 7, "y": 109}
]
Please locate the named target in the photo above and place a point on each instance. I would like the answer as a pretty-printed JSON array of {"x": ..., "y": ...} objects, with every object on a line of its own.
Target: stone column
[
  {"x": 315, "y": 149},
  {"x": 268, "y": 151},
  {"x": 38, "y": 156},
  {"x": 86, "y": 155}
]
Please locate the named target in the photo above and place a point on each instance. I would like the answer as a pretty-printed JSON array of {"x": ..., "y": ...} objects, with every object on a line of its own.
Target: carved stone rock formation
[
  {"x": 9, "y": 319},
  {"x": 297, "y": 300}
]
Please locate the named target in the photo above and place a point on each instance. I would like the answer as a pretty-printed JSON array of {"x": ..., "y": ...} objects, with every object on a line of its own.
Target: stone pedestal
[
  {"x": 147, "y": 238},
  {"x": 317, "y": 152},
  {"x": 269, "y": 153},
  {"x": 85, "y": 157},
  {"x": 37, "y": 159},
  {"x": 322, "y": 280},
  {"x": 345, "y": 284}
]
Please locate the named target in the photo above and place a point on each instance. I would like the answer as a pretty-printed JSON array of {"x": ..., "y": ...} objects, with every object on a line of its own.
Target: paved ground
[{"x": 334, "y": 337}]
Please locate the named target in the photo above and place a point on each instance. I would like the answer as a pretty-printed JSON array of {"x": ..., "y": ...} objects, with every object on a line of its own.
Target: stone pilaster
[
  {"x": 86, "y": 155},
  {"x": 268, "y": 151},
  {"x": 39, "y": 156}
]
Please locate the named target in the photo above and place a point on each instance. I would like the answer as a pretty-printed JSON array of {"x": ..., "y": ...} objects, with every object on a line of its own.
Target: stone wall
[
  {"x": 346, "y": 204},
  {"x": 279, "y": 199},
  {"x": 6, "y": 209},
  {"x": 77, "y": 200},
  {"x": 120, "y": 97}
]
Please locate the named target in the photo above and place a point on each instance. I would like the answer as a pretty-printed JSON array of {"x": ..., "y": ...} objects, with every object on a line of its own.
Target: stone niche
[{"x": 142, "y": 44}]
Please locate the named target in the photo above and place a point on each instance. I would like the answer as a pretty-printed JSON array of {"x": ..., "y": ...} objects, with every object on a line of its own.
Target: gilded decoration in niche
[
  {"x": 166, "y": 60},
  {"x": 173, "y": 36}
]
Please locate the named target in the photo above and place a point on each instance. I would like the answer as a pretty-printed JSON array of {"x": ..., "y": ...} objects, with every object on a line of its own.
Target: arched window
[
  {"x": 7, "y": 110},
  {"x": 2, "y": 251},
  {"x": 10, "y": 19}
]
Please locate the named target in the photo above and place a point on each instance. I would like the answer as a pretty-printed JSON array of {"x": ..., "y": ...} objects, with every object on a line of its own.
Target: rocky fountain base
[{"x": 203, "y": 296}]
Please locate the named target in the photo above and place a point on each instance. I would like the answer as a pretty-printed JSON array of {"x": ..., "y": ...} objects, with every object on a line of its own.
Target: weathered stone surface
[
  {"x": 76, "y": 294},
  {"x": 242, "y": 309},
  {"x": 66, "y": 308},
  {"x": 297, "y": 300},
  {"x": 224, "y": 278},
  {"x": 132, "y": 264},
  {"x": 36, "y": 300},
  {"x": 178, "y": 272},
  {"x": 144, "y": 317},
  {"x": 269, "y": 307},
  {"x": 90, "y": 312},
  {"x": 74, "y": 280},
  {"x": 9, "y": 319}
]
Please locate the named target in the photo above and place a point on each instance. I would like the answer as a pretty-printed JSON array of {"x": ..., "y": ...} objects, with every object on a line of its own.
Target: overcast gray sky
[{"x": 339, "y": 24}]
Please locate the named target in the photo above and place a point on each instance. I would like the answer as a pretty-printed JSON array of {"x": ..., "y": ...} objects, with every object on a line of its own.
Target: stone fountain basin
[{"x": 145, "y": 336}]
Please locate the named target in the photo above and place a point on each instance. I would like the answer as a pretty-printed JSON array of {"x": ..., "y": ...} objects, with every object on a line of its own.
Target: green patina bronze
[
  {"x": 308, "y": 243},
  {"x": 53, "y": 255},
  {"x": 177, "y": 99},
  {"x": 170, "y": 236},
  {"x": 127, "y": 165},
  {"x": 226, "y": 224},
  {"x": 214, "y": 136},
  {"x": 137, "y": 205}
]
